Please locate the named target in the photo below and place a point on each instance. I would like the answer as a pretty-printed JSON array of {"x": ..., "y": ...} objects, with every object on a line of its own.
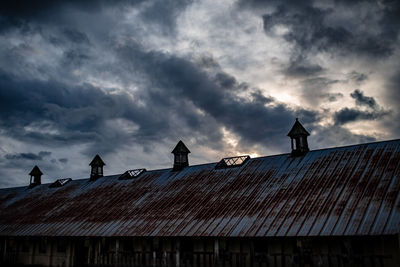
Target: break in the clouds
[{"x": 128, "y": 79}]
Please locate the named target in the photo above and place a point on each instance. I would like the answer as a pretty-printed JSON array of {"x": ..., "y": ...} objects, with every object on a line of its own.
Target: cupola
[
  {"x": 298, "y": 135},
  {"x": 181, "y": 159},
  {"x": 36, "y": 175},
  {"x": 97, "y": 168}
]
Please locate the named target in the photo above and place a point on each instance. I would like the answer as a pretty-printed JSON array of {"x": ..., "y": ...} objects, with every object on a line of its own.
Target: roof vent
[
  {"x": 60, "y": 182},
  {"x": 97, "y": 168},
  {"x": 130, "y": 174},
  {"x": 36, "y": 174},
  {"x": 181, "y": 159},
  {"x": 299, "y": 134},
  {"x": 232, "y": 162}
]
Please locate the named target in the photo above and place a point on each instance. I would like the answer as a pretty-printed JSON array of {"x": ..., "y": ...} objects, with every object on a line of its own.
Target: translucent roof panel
[
  {"x": 60, "y": 182},
  {"x": 130, "y": 174},
  {"x": 232, "y": 162}
]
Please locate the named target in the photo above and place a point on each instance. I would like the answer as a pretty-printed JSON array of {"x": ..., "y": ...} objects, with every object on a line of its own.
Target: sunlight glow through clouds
[{"x": 128, "y": 79}]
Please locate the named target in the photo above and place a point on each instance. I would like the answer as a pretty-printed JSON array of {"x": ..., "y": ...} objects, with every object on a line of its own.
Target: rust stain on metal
[{"x": 350, "y": 190}]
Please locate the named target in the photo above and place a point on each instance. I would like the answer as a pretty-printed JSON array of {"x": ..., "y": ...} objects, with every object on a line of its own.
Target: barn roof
[{"x": 351, "y": 190}]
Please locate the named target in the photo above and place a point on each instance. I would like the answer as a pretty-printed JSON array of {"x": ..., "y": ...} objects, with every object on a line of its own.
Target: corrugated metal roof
[{"x": 350, "y": 190}]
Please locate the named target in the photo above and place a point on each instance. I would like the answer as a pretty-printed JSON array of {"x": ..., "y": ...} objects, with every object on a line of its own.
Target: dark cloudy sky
[{"x": 128, "y": 79}]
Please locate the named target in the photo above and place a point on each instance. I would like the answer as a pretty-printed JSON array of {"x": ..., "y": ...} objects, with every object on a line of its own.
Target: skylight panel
[
  {"x": 232, "y": 162},
  {"x": 60, "y": 182},
  {"x": 131, "y": 174}
]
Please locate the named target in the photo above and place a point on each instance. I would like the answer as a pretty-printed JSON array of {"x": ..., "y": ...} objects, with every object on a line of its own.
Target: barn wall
[{"x": 256, "y": 252}]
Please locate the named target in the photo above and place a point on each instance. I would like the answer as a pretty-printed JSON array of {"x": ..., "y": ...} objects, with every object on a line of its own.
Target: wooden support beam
[
  {"x": 177, "y": 255},
  {"x": 154, "y": 259},
  {"x": 164, "y": 258},
  {"x": 116, "y": 251},
  {"x": 251, "y": 248},
  {"x": 216, "y": 250},
  {"x": 89, "y": 250},
  {"x": 68, "y": 253},
  {"x": 51, "y": 252},
  {"x": 72, "y": 253},
  {"x": 5, "y": 249},
  {"x": 33, "y": 251},
  {"x": 397, "y": 259},
  {"x": 98, "y": 252}
]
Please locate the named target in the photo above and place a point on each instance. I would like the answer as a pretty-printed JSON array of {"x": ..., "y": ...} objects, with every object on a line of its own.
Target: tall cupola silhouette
[
  {"x": 298, "y": 135},
  {"x": 181, "y": 159},
  {"x": 97, "y": 168},
  {"x": 36, "y": 175}
]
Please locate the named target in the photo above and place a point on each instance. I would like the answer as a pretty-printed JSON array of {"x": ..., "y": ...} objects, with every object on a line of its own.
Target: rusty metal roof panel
[
  {"x": 351, "y": 190},
  {"x": 257, "y": 208},
  {"x": 282, "y": 192}
]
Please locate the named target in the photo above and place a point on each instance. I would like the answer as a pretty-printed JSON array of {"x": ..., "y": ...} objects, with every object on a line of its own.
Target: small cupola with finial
[
  {"x": 36, "y": 175},
  {"x": 298, "y": 135},
  {"x": 97, "y": 168},
  {"x": 181, "y": 159}
]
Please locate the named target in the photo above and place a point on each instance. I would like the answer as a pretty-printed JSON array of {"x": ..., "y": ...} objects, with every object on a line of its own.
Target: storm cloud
[
  {"x": 362, "y": 100},
  {"x": 314, "y": 28},
  {"x": 373, "y": 111},
  {"x": 177, "y": 88},
  {"x": 21, "y": 13},
  {"x": 28, "y": 156},
  {"x": 128, "y": 79}
]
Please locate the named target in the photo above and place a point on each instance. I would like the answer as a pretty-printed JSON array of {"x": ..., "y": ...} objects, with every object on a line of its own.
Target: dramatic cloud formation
[
  {"x": 373, "y": 110},
  {"x": 128, "y": 79},
  {"x": 362, "y": 100},
  {"x": 28, "y": 156}
]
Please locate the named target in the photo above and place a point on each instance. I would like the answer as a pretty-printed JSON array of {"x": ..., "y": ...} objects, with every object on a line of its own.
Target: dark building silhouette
[
  {"x": 298, "y": 136},
  {"x": 36, "y": 175},
  {"x": 96, "y": 168},
  {"x": 181, "y": 159},
  {"x": 328, "y": 207}
]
